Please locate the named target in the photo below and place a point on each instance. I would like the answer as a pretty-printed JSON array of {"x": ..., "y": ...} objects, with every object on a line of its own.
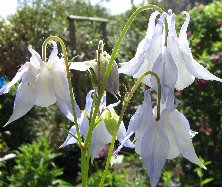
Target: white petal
[
  {"x": 153, "y": 52},
  {"x": 80, "y": 66},
  {"x": 25, "y": 98},
  {"x": 18, "y": 77},
  {"x": 89, "y": 101},
  {"x": 183, "y": 139},
  {"x": 35, "y": 60},
  {"x": 151, "y": 25},
  {"x": 196, "y": 69},
  {"x": 155, "y": 148},
  {"x": 133, "y": 66},
  {"x": 99, "y": 142},
  {"x": 53, "y": 56},
  {"x": 70, "y": 139},
  {"x": 61, "y": 90},
  {"x": 46, "y": 96},
  {"x": 183, "y": 30},
  {"x": 184, "y": 77}
]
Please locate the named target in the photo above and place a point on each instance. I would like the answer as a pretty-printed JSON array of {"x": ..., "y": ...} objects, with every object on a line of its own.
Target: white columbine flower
[
  {"x": 187, "y": 67},
  {"x": 102, "y": 133},
  {"x": 157, "y": 141},
  {"x": 42, "y": 84}
]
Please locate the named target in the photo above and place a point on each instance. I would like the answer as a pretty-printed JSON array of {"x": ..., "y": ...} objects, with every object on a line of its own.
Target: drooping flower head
[
  {"x": 103, "y": 132},
  {"x": 157, "y": 141},
  {"x": 42, "y": 84}
]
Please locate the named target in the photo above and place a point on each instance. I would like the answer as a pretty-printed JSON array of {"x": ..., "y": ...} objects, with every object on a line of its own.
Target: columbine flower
[
  {"x": 187, "y": 67},
  {"x": 148, "y": 51},
  {"x": 174, "y": 60},
  {"x": 113, "y": 81},
  {"x": 42, "y": 84},
  {"x": 102, "y": 133},
  {"x": 157, "y": 141}
]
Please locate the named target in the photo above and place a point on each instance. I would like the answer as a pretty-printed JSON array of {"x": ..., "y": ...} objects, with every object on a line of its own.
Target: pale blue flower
[
  {"x": 100, "y": 135},
  {"x": 42, "y": 84},
  {"x": 187, "y": 67},
  {"x": 157, "y": 141}
]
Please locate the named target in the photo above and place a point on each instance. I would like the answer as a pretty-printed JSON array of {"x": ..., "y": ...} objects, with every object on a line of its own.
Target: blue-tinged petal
[
  {"x": 84, "y": 125},
  {"x": 181, "y": 129},
  {"x": 100, "y": 137},
  {"x": 153, "y": 52},
  {"x": 46, "y": 96},
  {"x": 61, "y": 90},
  {"x": 70, "y": 139},
  {"x": 155, "y": 148},
  {"x": 25, "y": 97},
  {"x": 192, "y": 66},
  {"x": 151, "y": 25},
  {"x": 5, "y": 89},
  {"x": 195, "y": 68},
  {"x": 122, "y": 135},
  {"x": 81, "y": 66},
  {"x": 131, "y": 67},
  {"x": 167, "y": 126},
  {"x": 184, "y": 77}
]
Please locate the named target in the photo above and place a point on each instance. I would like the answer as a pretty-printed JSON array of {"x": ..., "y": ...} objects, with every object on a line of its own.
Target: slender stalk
[
  {"x": 109, "y": 67},
  {"x": 56, "y": 38},
  {"x": 125, "y": 103}
]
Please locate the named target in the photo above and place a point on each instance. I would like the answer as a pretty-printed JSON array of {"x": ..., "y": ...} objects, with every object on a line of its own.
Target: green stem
[
  {"x": 125, "y": 103},
  {"x": 56, "y": 38},
  {"x": 109, "y": 67}
]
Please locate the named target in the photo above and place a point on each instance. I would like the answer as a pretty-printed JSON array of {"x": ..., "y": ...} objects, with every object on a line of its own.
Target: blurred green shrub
[{"x": 35, "y": 167}]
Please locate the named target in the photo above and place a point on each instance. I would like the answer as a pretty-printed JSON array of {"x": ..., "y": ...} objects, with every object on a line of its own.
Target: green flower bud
[{"x": 111, "y": 121}]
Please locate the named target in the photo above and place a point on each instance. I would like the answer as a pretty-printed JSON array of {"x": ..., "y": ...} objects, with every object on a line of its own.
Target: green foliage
[
  {"x": 3, "y": 175},
  {"x": 35, "y": 167},
  {"x": 200, "y": 173},
  {"x": 112, "y": 180}
]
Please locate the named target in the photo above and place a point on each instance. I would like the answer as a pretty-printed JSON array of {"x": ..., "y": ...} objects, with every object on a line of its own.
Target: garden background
[{"x": 36, "y": 137}]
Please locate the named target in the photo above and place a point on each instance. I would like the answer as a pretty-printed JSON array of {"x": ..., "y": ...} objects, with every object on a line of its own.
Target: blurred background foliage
[{"x": 201, "y": 102}]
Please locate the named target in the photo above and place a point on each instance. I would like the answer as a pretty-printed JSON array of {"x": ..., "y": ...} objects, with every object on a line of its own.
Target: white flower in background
[
  {"x": 157, "y": 141},
  {"x": 113, "y": 80},
  {"x": 42, "y": 84},
  {"x": 102, "y": 133},
  {"x": 187, "y": 67}
]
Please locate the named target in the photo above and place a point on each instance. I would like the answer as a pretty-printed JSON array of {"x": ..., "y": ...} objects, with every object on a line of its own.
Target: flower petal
[
  {"x": 25, "y": 98},
  {"x": 70, "y": 139},
  {"x": 153, "y": 52},
  {"x": 46, "y": 96},
  {"x": 181, "y": 129},
  {"x": 122, "y": 135},
  {"x": 53, "y": 56},
  {"x": 132, "y": 67},
  {"x": 61, "y": 90},
  {"x": 5, "y": 89},
  {"x": 151, "y": 25},
  {"x": 167, "y": 125},
  {"x": 155, "y": 150},
  {"x": 184, "y": 77},
  {"x": 99, "y": 142},
  {"x": 80, "y": 66}
]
